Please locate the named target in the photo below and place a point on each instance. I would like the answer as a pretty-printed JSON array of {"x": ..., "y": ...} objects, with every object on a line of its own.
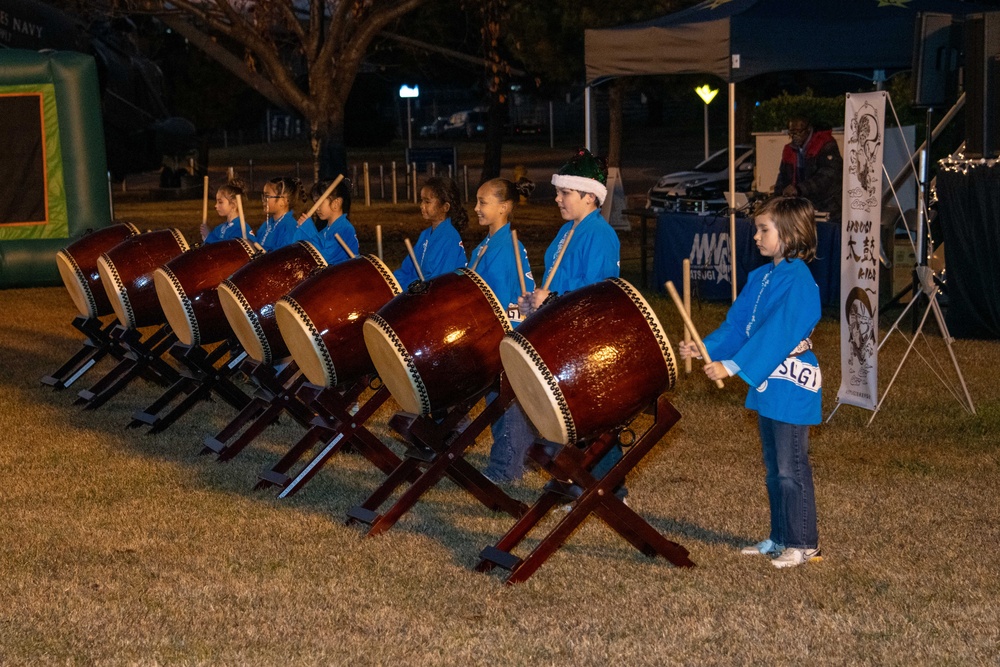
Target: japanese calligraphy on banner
[{"x": 864, "y": 123}]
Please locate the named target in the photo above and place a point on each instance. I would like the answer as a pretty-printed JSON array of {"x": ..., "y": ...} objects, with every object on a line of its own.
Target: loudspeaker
[
  {"x": 982, "y": 79},
  {"x": 935, "y": 60}
]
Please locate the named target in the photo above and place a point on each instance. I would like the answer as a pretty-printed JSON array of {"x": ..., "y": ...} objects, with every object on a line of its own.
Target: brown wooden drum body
[
  {"x": 77, "y": 264},
  {"x": 186, "y": 287},
  {"x": 588, "y": 362},
  {"x": 437, "y": 344},
  {"x": 321, "y": 320},
  {"x": 248, "y": 297},
  {"x": 127, "y": 273}
]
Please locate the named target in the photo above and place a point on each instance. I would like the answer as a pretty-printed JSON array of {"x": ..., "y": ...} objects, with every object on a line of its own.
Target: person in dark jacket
[{"x": 811, "y": 167}]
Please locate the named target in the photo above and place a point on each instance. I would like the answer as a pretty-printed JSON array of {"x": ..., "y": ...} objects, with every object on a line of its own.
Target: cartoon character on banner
[
  {"x": 861, "y": 329},
  {"x": 864, "y": 141}
]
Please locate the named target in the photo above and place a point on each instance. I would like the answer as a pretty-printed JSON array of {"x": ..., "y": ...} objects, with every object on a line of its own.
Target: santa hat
[{"x": 585, "y": 173}]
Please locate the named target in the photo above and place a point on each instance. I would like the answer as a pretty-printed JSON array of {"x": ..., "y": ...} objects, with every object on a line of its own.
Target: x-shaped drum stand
[
  {"x": 570, "y": 468},
  {"x": 142, "y": 357},
  {"x": 97, "y": 344},
  {"x": 437, "y": 451}
]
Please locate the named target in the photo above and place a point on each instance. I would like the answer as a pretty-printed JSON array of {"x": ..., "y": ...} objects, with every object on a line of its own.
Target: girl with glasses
[{"x": 281, "y": 228}]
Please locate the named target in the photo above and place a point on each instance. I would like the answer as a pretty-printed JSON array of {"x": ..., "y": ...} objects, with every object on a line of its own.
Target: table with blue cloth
[{"x": 704, "y": 239}]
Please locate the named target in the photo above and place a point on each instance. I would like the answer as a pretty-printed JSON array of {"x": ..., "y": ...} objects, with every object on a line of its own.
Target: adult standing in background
[{"x": 811, "y": 167}]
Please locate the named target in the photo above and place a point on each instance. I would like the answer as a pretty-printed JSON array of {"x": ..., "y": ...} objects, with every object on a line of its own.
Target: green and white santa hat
[{"x": 585, "y": 173}]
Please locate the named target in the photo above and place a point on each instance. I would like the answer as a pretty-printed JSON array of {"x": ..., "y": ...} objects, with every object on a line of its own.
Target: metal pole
[
  {"x": 381, "y": 179},
  {"x": 409, "y": 125},
  {"x": 416, "y": 192},
  {"x": 732, "y": 183},
  {"x": 706, "y": 131},
  {"x": 465, "y": 174},
  {"x": 586, "y": 117}
]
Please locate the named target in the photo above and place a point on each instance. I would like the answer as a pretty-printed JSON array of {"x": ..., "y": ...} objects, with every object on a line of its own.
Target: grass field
[{"x": 121, "y": 547}]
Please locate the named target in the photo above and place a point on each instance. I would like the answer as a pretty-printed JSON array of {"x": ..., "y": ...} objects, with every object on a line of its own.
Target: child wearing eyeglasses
[{"x": 281, "y": 227}]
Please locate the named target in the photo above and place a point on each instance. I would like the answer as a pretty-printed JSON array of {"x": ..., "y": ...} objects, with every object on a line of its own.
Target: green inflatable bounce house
[{"x": 53, "y": 169}]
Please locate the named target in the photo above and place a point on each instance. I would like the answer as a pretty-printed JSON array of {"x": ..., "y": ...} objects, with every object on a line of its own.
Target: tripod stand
[{"x": 925, "y": 279}]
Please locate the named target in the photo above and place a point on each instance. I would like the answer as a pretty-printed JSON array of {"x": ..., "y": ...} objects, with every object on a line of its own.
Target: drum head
[
  {"x": 305, "y": 343},
  {"x": 537, "y": 390},
  {"x": 395, "y": 366},
  {"x": 245, "y": 323},
  {"x": 176, "y": 305},
  {"x": 76, "y": 284}
]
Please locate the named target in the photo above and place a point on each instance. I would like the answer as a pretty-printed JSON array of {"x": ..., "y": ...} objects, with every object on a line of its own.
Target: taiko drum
[
  {"x": 77, "y": 265},
  {"x": 436, "y": 344},
  {"x": 187, "y": 289},
  {"x": 322, "y": 319},
  {"x": 127, "y": 273},
  {"x": 248, "y": 297},
  {"x": 588, "y": 362}
]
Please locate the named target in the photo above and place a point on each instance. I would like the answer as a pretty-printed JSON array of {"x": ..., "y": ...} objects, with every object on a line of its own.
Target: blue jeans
[
  {"x": 512, "y": 435},
  {"x": 789, "y": 483}
]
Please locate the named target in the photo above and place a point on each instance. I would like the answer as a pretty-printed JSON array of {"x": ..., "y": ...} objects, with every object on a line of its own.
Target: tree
[
  {"x": 548, "y": 37},
  {"x": 302, "y": 54}
]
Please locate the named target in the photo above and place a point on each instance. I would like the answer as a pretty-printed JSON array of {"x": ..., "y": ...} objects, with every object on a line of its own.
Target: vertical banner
[{"x": 864, "y": 124}]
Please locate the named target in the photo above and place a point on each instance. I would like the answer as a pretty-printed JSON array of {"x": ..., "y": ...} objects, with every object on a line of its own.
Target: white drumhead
[
  {"x": 244, "y": 322},
  {"x": 395, "y": 366},
  {"x": 537, "y": 390},
  {"x": 76, "y": 284},
  {"x": 117, "y": 293},
  {"x": 176, "y": 306},
  {"x": 305, "y": 343}
]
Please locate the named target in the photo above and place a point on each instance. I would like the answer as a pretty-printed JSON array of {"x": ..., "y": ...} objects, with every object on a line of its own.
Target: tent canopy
[{"x": 739, "y": 39}]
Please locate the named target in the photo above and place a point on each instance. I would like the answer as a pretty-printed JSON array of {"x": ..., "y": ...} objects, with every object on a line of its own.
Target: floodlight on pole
[
  {"x": 408, "y": 93},
  {"x": 707, "y": 95}
]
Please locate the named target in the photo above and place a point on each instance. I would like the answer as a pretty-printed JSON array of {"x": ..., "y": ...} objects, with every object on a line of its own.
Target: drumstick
[
  {"x": 378, "y": 240},
  {"x": 555, "y": 264},
  {"x": 690, "y": 326},
  {"x": 517, "y": 262},
  {"x": 243, "y": 220},
  {"x": 482, "y": 251},
  {"x": 204, "y": 204},
  {"x": 326, "y": 193},
  {"x": 686, "y": 271},
  {"x": 343, "y": 244},
  {"x": 413, "y": 258}
]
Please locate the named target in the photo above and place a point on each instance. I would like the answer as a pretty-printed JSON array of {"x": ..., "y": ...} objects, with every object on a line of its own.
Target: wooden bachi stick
[
  {"x": 686, "y": 271},
  {"x": 555, "y": 264},
  {"x": 326, "y": 193},
  {"x": 413, "y": 258},
  {"x": 517, "y": 262},
  {"x": 343, "y": 244},
  {"x": 690, "y": 326},
  {"x": 243, "y": 220}
]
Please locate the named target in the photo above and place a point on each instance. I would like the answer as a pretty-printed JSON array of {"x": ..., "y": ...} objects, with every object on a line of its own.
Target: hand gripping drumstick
[
  {"x": 555, "y": 264},
  {"x": 690, "y": 326},
  {"x": 343, "y": 244},
  {"x": 413, "y": 258},
  {"x": 326, "y": 193},
  {"x": 517, "y": 262},
  {"x": 243, "y": 220}
]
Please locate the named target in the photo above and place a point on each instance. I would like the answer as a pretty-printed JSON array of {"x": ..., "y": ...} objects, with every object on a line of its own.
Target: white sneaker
[
  {"x": 793, "y": 557},
  {"x": 764, "y": 548}
]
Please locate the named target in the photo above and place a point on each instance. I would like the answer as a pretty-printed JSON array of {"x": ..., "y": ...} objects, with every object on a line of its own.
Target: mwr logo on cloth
[{"x": 711, "y": 256}]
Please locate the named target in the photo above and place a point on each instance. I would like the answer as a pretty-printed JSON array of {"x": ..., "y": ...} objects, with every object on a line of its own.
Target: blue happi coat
[
  {"x": 498, "y": 268},
  {"x": 274, "y": 234},
  {"x": 328, "y": 246},
  {"x": 228, "y": 230},
  {"x": 777, "y": 309},
  {"x": 438, "y": 250},
  {"x": 592, "y": 254}
]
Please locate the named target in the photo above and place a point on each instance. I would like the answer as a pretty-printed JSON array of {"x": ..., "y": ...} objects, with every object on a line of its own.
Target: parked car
[
  {"x": 434, "y": 129},
  {"x": 702, "y": 189},
  {"x": 466, "y": 124},
  {"x": 529, "y": 127}
]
